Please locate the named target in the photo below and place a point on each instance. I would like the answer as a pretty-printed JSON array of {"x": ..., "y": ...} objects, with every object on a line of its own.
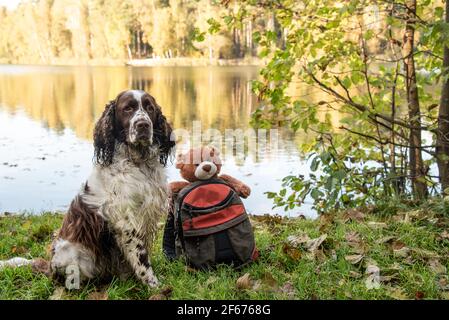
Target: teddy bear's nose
[{"x": 207, "y": 167}]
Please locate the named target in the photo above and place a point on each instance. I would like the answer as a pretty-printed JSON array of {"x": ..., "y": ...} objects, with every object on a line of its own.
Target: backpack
[{"x": 212, "y": 226}]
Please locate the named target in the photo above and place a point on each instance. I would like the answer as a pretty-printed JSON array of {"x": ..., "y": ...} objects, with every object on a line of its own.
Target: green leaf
[
  {"x": 316, "y": 194},
  {"x": 315, "y": 163}
]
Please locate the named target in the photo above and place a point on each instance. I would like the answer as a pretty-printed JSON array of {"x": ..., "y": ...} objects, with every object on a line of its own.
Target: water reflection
[
  {"x": 70, "y": 97},
  {"x": 49, "y": 112}
]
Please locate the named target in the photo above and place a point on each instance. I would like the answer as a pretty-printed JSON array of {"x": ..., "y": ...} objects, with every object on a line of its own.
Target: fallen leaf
[
  {"x": 58, "y": 294},
  {"x": 270, "y": 282},
  {"x": 386, "y": 279},
  {"x": 244, "y": 282},
  {"x": 313, "y": 244},
  {"x": 397, "y": 245},
  {"x": 355, "y": 258},
  {"x": 292, "y": 252},
  {"x": 444, "y": 235},
  {"x": 164, "y": 294},
  {"x": 397, "y": 294},
  {"x": 419, "y": 295},
  {"x": 373, "y": 279},
  {"x": 256, "y": 285},
  {"x": 402, "y": 252},
  {"x": 334, "y": 255},
  {"x": 445, "y": 295},
  {"x": 354, "y": 214},
  {"x": 295, "y": 241},
  {"x": 423, "y": 253},
  {"x": 436, "y": 266},
  {"x": 288, "y": 289},
  {"x": 319, "y": 254},
  {"x": 396, "y": 266},
  {"x": 352, "y": 237},
  {"x": 372, "y": 282},
  {"x": 325, "y": 221},
  {"x": 167, "y": 291},
  {"x": 354, "y": 274},
  {"x": 268, "y": 219},
  {"x": 268, "y": 279},
  {"x": 386, "y": 239},
  {"x": 408, "y": 260},
  {"x": 377, "y": 225},
  {"x": 443, "y": 283},
  {"x": 97, "y": 295}
]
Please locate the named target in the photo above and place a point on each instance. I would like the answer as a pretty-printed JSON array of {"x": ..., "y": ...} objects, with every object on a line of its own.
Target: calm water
[{"x": 47, "y": 115}]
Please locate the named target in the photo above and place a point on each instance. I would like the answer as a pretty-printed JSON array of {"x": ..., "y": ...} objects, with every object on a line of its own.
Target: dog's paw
[{"x": 153, "y": 282}]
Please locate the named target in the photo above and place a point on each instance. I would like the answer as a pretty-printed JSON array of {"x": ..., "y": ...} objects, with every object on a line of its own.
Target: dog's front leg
[{"x": 135, "y": 250}]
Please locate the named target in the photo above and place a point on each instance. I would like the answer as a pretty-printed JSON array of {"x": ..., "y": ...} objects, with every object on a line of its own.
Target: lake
[{"x": 47, "y": 115}]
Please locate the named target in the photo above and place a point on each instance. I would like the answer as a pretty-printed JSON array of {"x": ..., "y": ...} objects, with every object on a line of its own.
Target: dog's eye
[
  {"x": 146, "y": 104},
  {"x": 129, "y": 108}
]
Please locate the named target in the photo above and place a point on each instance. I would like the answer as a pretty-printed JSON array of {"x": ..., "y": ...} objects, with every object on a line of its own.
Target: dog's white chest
[{"x": 126, "y": 193}]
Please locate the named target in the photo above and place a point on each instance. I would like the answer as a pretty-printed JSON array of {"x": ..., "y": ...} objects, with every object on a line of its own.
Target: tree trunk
[
  {"x": 417, "y": 169},
  {"x": 442, "y": 149},
  {"x": 84, "y": 24}
]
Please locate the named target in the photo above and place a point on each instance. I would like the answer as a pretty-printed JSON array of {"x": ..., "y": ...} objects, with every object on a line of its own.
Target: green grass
[{"x": 408, "y": 244}]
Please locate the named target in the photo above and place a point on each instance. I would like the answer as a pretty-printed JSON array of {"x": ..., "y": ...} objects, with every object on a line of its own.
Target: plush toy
[
  {"x": 204, "y": 163},
  {"x": 196, "y": 164}
]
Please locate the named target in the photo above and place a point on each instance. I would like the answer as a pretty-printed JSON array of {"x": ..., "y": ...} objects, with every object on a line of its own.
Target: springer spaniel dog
[{"x": 112, "y": 222}]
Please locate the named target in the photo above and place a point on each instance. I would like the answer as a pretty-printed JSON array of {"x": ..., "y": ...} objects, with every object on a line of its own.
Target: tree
[
  {"x": 442, "y": 149},
  {"x": 417, "y": 170},
  {"x": 364, "y": 56}
]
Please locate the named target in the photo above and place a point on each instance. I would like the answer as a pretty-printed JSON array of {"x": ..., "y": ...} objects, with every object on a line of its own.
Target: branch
[
  {"x": 367, "y": 136},
  {"x": 361, "y": 107}
]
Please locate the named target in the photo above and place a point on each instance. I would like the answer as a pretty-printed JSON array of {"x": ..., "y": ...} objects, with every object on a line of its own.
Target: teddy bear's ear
[
  {"x": 214, "y": 152},
  {"x": 215, "y": 155}
]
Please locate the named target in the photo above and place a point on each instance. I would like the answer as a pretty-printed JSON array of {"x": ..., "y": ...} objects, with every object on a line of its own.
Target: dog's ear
[
  {"x": 163, "y": 134},
  {"x": 104, "y": 135}
]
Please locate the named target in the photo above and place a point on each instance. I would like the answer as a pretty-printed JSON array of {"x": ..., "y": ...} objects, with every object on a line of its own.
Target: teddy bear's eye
[{"x": 196, "y": 165}]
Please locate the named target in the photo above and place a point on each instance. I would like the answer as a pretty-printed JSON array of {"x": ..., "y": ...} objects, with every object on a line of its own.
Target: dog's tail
[{"x": 38, "y": 265}]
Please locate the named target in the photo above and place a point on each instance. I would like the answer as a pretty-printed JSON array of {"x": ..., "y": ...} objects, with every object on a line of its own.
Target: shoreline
[{"x": 151, "y": 62}]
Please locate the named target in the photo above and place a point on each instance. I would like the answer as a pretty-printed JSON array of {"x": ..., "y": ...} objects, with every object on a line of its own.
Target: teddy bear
[
  {"x": 200, "y": 163},
  {"x": 204, "y": 163}
]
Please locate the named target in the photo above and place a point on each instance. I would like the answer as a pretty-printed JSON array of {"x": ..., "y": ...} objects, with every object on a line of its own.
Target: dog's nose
[
  {"x": 207, "y": 167},
  {"x": 142, "y": 125}
]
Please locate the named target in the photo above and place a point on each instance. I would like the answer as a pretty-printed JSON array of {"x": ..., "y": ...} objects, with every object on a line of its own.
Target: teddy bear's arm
[
  {"x": 242, "y": 189},
  {"x": 176, "y": 186}
]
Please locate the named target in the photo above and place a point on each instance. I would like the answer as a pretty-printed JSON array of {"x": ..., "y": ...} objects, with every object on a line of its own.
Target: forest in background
[{"x": 61, "y": 31}]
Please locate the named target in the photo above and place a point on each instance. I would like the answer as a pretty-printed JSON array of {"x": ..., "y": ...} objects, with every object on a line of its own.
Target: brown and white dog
[{"x": 111, "y": 224}]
